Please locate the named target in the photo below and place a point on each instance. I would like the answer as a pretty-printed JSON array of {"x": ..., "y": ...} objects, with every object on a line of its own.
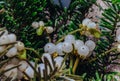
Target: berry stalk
[{"x": 75, "y": 65}]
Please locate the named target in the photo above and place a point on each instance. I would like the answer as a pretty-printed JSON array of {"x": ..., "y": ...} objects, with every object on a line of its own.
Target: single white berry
[
  {"x": 59, "y": 49},
  {"x": 91, "y": 44},
  {"x": 49, "y": 48},
  {"x": 83, "y": 50},
  {"x": 91, "y": 25},
  {"x": 78, "y": 43},
  {"x": 23, "y": 65},
  {"x": 41, "y": 23},
  {"x": 4, "y": 40},
  {"x": 49, "y": 29},
  {"x": 86, "y": 21},
  {"x": 20, "y": 46},
  {"x": 29, "y": 71},
  {"x": 2, "y": 48},
  {"x": 69, "y": 38},
  {"x": 35, "y": 25},
  {"x": 41, "y": 67},
  {"x": 49, "y": 58},
  {"x": 11, "y": 73},
  {"x": 118, "y": 38},
  {"x": 67, "y": 47},
  {"x": 11, "y": 52},
  {"x": 12, "y": 38},
  {"x": 58, "y": 61}
]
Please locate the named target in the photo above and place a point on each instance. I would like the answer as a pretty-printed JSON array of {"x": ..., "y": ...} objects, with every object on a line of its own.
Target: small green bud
[
  {"x": 40, "y": 30},
  {"x": 22, "y": 54}
]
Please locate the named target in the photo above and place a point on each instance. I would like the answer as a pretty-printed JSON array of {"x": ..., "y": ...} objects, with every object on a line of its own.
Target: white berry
[
  {"x": 78, "y": 43},
  {"x": 47, "y": 56},
  {"x": 58, "y": 61},
  {"x": 83, "y": 50},
  {"x": 67, "y": 47},
  {"x": 49, "y": 29},
  {"x": 49, "y": 48},
  {"x": 20, "y": 46},
  {"x": 35, "y": 25},
  {"x": 41, "y": 23},
  {"x": 12, "y": 38},
  {"x": 91, "y": 44},
  {"x": 91, "y": 25},
  {"x": 11, "y": 52},
  {"x": 23, "y": 65},
  {"x": 4, "y": 40},
  {"x": 69, "y": 38},
  {"x": 86, "y": 21},
  {"x": 59, "y": 49},
  {"x": 29, "y": 71}
]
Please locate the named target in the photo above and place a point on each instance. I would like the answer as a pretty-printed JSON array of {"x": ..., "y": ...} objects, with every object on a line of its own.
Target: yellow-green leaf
[
  {"x": 95, "y": 32},
  {"x": 22, "y": 54},
  {"x": 40, "y": 30}
]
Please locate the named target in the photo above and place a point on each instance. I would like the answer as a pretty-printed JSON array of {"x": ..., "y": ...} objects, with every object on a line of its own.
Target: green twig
[
  {"x": 4, "y": 71},
  {"x": 62, "y": 65},
  {"x": 33, "y": 50},
  {"x": 112, "y": 49},
  {"x": 71, "y": 65},
  {"x": 75, "y": 65},
  {"x": 61, "y": 39}
]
